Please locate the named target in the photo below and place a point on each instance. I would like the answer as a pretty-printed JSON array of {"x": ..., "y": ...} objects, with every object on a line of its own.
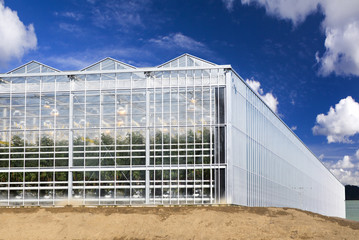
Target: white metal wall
[{"x": 271, "y": 166}]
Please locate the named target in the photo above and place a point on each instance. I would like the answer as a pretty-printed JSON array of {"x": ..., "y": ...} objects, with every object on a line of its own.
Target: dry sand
[{"x": 190, "y": 222}]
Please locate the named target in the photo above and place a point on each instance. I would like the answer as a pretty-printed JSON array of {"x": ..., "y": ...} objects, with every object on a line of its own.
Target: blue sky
[{"x": 302, "y": 56}]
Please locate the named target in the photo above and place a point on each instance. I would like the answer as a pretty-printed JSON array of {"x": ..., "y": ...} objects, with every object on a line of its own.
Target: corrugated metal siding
[{"x": 274, "y": 167}]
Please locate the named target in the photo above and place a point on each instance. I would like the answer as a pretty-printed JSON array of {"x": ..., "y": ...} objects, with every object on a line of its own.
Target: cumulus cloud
[
  {"x": 346, "y": 177},
  {"x": 340, "y": 25},
  {"x": 268, "y": 98},
  {"x": 296, "y": 10},
  {"x": 357, "y": 154},
  {"x": 342, "y": 50},
  {"x": 16, "y": 38},
  {"x": 340, "y": 123},
  {"x": 345, "y": 170},
  {"x": 178, "y": 40},
  {"x": 345, "y": 163}
]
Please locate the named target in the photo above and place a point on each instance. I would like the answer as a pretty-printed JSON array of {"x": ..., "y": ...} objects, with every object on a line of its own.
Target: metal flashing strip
[{"x": 151, "y": 69}]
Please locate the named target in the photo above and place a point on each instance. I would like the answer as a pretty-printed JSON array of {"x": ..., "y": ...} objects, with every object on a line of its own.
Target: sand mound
[{"x": 190, "y": 222}]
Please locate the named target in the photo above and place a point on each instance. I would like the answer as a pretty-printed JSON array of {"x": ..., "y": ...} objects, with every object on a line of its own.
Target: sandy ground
[{"x": 190, "y": 222}]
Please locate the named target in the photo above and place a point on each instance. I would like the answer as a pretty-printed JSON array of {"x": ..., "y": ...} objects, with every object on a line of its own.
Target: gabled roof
[
  {"x": 108, "y": 64},
  {"x": 186, "y": 60},
  {"x": 33, "y": 67}
]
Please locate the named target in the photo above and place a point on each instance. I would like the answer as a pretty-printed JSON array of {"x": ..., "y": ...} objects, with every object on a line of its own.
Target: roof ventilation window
[
  {"x": 33, "y": 67},
  {"x": 186, "y": 60},
  {"x": 108, "y": 64}
]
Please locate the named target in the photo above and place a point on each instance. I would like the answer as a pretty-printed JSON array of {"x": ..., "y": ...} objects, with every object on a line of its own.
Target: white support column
[
  {"x": 71, "y": 111},
  {"x": 147, "y": 146},
  {"x": 228, "y": 144}
]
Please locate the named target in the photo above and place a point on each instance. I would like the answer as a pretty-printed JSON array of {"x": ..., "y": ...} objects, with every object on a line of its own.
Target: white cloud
[
  {"x": 72, "y": 15},
  {"x": 346, "y": 177},
  {"x": 125, "y": 14},
  {"x": 345, "y": 163},
  {"x": 357, "y": 154},
  {"x": 342, "y": 50},
  {"x": 296, "y": 10},
  {"x": 70, "y": 62},
  {"x": 70, "y": 28},
  {"x": 340, "y": 123},
  {"x": 178, "y": 40},
  {"x": 294, "y": 128},
  {"x": 16, "y": 38},
  {"x": 340, "y": 24},
  {"x": 228, "y": 4},
  {"x": 345, "y": 170},
  {"x": 321, "y": 156},
  {"x": 80, "y": 59},
  {"x": 268, "y": 98}
]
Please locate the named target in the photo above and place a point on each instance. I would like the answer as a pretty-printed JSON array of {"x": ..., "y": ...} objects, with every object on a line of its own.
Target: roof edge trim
[
  {"x": 33, "y": 61},
  {"x": 106, "y": 58},
  {"x": 146, "y": 69},
  {"x": 189, "y": 55}
]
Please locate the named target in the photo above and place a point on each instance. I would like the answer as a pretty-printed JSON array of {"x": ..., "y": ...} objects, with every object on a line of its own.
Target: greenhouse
[{"x": 185, "y": 132}]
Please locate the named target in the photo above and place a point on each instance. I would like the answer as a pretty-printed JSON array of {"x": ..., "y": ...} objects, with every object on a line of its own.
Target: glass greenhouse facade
[{"x": 185, "y": 132}]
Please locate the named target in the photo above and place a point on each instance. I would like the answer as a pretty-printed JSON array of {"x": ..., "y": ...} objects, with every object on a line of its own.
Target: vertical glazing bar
[
  {"x": 186, "y": 134},
  {"x": 228, "y": 139},
  {"x": 116, "y": 142},
  {"x": 162, "y": 142},
  {"x": 131, "y": 131},
  {"x": 215, "y": 143},
  {"x": 24, "y": 144},
  {"x": 39, "y": 140},
  {"x": 194, "y": 136},
  {"x": 10, "y": 139},
  {"x": 154, "y": 139},
  {"x": 210, "y": 137},
  {"x": 178, "y": 138},
  {"x": 100, "y": 140},
  {"x": 147, "y": 146},
  {"x": 170, "y": 132},
  {"x": 202, "y": 139},
  {"x": 54, "y": 147},
  {"x": 71, "y": 105},
  {"x": 84, "y": 142},
  {"x": 218, "y": 140}
]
